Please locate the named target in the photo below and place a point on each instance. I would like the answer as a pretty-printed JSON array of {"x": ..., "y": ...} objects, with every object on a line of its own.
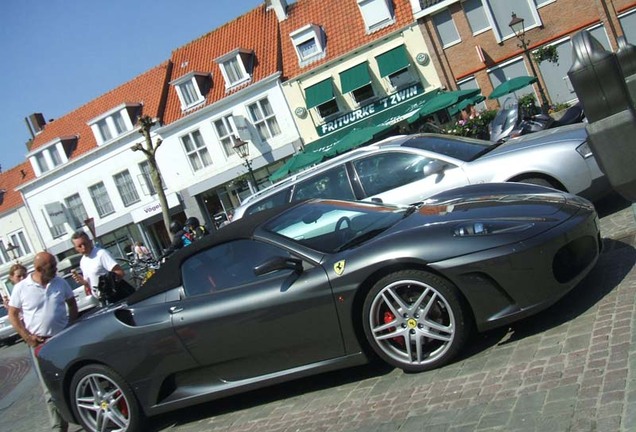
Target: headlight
[
  {"x": 584, "y": 150},
  {"x": 489, "y": 228}
]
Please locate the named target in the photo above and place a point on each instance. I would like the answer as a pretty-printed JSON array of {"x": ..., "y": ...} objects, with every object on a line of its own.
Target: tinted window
[
  {"x": 275, "y": 200},
  {"x": 225, "y": 266},
  {"x": 332, "y": 184},
  {"x": 385, "y": 171},
  {"x": 465, "y": 149}
]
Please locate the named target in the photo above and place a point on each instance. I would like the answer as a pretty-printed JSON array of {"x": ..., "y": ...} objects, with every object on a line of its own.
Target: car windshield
[
  {"x": 464, "y": 149},
  {"x": 327, "y": 226}
]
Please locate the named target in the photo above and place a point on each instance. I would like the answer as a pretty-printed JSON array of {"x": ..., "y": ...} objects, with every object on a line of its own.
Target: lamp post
[
  {"x": 11, "y": 249},
  {"x": 242, "y": 149},
  {"x": 516, "y": 24}
]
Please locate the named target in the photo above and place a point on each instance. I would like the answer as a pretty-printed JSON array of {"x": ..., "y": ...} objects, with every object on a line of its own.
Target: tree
[{"x": 145, "y": 124}]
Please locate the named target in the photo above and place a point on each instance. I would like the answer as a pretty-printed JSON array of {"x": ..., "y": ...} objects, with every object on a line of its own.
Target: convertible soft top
[{"x": 169, "y": 275}]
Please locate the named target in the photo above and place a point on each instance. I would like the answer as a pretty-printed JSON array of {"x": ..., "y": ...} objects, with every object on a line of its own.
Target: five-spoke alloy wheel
[
  {"x": 102, "y": 401},
  {"x": 415, "y": 320}
]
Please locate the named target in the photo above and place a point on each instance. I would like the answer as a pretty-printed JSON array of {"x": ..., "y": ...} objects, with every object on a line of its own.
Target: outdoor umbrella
[
  {"x": 512, "y": 85},
  {"x": 463, "y": 104},
  {"x": 443, "y": 100}
]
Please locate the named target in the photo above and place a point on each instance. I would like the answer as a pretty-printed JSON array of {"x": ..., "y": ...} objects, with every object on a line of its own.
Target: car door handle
[
  {"x": 175, "y": 309},
  {"x": 376, "y": 200}
]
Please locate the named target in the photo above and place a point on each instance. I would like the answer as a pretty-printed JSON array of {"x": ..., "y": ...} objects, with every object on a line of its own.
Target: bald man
[{"x": 42, "y": 299}]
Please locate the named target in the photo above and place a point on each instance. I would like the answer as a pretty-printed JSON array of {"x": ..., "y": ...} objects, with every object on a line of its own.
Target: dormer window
[
  {"x": 376, "y": 14},
  {"x": 191, "y": 89},
  {"x": 236, "y": 67},
  {"x": 309, "y": 42},
  {"x": 115, "y": 123},
  {"x": 51, "y": 155}
]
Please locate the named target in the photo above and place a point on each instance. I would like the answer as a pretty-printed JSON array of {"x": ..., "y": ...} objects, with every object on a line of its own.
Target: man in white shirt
[
  {"x": 95, "y": 262},
  {"x": 38, "y": 310}
]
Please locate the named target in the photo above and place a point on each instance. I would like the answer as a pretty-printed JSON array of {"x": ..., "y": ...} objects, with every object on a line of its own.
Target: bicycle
[{"x": 140, "y": 269}]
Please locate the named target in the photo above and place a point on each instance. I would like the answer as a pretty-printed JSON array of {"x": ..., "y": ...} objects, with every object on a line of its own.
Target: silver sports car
[{"x": 408, "y": 169}]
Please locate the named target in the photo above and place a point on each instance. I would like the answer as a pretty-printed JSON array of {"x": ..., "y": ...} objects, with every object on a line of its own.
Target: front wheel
[
  {"x": 103, "y": 401},
  {"x": 415, "y": 320}
]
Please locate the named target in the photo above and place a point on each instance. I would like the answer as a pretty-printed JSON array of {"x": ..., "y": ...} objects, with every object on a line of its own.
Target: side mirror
[
  {"x": 434, "y": 167},
  {"x": 279, "y": 263}
]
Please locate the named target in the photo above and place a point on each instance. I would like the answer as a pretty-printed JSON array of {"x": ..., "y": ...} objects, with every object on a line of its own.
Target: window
[
  {"x": 4, "y": 254},
  {"x": 309, "y": 43},
  {"x": 236, "y": 67},
  {"x": 264, "y": 119},
  {"x": 501, "y": 12},
  {"x": 332, "y": 184},
  {"x": 475, "y": 15},
  {"x": 228, "y": 265},
  {"x": 405, "y": 168},
  {"x": 57, "y": 217},
  {"x": 19, "y": 240},
  {"x": 55, "y": 156},
  {"x": 394, "y": 66},
  {"x": 321, "y": 97},
  {"x": 104, "y": 130},
  {"x": 275, "y": 200},
  {"x": 115, "y": 122},
  {"x": 446, "y": 29},
  {"x": 41, "y": 161},
  {"x": 357, "y": 81},
  {"x": 76, "y": 210},
  {"x": 376, "y": 14},
  {"x": 191, "y": 89},
  {"x": 146, "y": 179},
  {"x": 126, "y": 188},
  {"x": 101, "y": 199},
  {"x": 196, "y": 150},
  {"x": 225, "y": 132}
]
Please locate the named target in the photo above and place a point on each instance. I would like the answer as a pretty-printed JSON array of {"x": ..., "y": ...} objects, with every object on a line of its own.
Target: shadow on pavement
[
  {"x": 612, "y": 203},
  {"x": 278, "y": 392}
]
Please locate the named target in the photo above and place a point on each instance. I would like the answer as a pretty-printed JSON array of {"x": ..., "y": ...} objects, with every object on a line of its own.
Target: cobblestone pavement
[{"x": 570, "y": 368}]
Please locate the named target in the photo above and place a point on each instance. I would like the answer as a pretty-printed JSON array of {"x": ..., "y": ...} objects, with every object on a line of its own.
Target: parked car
[
  {"x": 8, "y": 335},
  {"x": 85, "y": 300},
  {"x": 316, "y": 286},
  {"x": 408, "y": 169}
]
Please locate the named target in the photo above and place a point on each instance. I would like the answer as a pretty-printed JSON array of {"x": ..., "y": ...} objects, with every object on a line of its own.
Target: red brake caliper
[
  {"x": 123, "y": 407},
  {"x": 389, "y": 317}
]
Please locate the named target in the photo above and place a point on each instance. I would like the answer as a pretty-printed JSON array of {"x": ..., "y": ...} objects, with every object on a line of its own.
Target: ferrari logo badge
[
  {"x": 411, "y": 323},
  {"x": 339, "y": 267}
]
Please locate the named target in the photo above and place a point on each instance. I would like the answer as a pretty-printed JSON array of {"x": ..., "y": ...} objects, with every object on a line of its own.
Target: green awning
[
  {"x": 354, "y": 78},
  {"x": 441, "y": 101},
  {"x": 295, "y": 163},
  {"x": 319, "y": 93},
  {"x": 392, "y": 61}
]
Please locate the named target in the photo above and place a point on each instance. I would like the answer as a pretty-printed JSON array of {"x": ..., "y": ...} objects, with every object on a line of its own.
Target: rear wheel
[
  {"x": 415, "y": 320},
  {"x": 103, "y": 401},
  {"x": 537, "y": 181}
]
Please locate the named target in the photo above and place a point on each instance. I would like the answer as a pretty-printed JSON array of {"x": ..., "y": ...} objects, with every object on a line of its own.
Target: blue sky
[{"x": 56, "y": 55}]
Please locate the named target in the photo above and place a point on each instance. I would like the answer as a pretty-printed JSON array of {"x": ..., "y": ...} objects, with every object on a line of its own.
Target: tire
[
  {"x": 415, "y": 320},
  {"x": 537, "y": 181},
  {"x": 102, "y": 400}
]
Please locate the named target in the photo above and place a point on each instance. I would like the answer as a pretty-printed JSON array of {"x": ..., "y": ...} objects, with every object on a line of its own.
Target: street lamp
[
  {"x": 516, "y": 24},
  {"x": 11, "y": 249},
  {"x": 242, "y": 149}
]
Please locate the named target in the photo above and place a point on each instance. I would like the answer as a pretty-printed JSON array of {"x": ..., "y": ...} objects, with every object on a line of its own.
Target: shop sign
[
  {"x": 365, "y": 111},
  {"x": 153, "y": 208}
]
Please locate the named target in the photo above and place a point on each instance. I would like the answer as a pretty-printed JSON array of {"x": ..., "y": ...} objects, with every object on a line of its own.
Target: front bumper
[{"x": 511, "y": 282}]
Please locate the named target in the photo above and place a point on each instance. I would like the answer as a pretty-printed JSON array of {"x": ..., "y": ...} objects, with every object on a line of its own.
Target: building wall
[{"x": 411, "y": 38}]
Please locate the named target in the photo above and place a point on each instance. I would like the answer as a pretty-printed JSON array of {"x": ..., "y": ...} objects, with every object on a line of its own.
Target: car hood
[{"x": 576, "y": 133}]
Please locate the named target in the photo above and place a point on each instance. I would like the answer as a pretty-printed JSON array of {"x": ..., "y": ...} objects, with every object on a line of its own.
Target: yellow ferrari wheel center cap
[
  {"x": 411, "y": 323},
  {"x": 104, "y": 405}
]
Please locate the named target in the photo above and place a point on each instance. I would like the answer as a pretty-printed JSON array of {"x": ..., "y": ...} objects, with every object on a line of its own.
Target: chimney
[
  {"x": 279, "y": 6},
  {"x": 37, "y": 122}
]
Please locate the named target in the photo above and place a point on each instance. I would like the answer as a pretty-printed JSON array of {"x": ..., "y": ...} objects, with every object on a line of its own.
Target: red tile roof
[
  {"x": 343, "y": 26},
  {"x": 11, "y": 179},
  {"x": 255, "y": 31},
  {"x": 147, "y": 88}
]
